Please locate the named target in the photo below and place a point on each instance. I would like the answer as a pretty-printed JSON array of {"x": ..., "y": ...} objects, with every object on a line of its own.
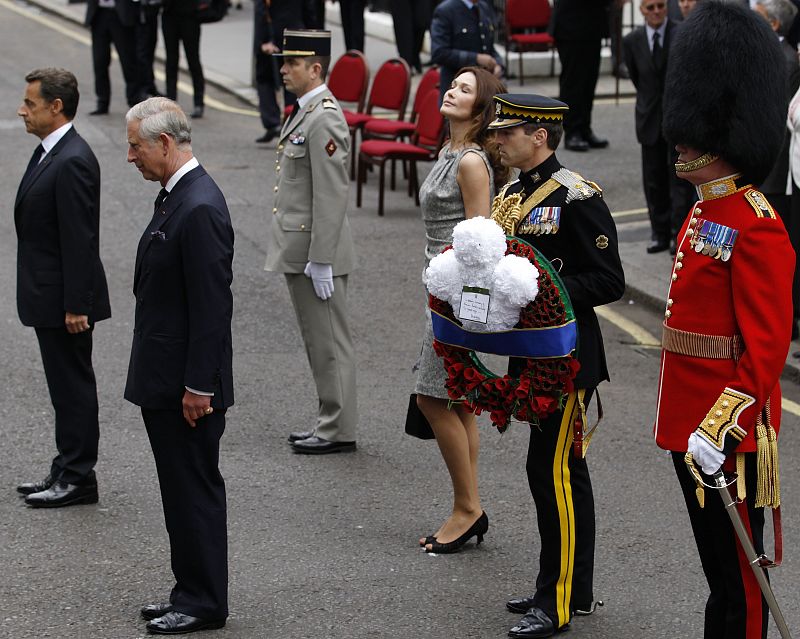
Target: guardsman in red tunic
[{"x": 727, "y": 320}]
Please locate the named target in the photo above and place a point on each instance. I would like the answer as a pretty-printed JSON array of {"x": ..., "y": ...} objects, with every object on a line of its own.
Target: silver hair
[
  {"x": 161, "y": 115},
  {"x": 783, "y": 11}
]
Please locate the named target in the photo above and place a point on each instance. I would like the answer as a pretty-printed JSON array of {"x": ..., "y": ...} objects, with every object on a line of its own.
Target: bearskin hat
[{"x": 725, "y": 88}]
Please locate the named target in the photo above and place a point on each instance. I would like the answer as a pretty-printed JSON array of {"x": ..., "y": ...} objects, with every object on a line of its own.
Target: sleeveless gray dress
[{"x": 442, "y": 208}]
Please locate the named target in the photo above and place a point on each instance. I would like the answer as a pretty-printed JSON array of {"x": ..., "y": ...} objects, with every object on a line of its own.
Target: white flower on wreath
[{"x": 478, "y": 259}]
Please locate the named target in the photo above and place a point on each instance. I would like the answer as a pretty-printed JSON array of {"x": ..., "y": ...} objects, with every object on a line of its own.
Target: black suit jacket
[
  {"x": 184, "y": 305},
  {"x": 648, "y": 80},
  {"x": 127, "y": 11},
  {"x": 57, "y": 217},
  {"x": 775, "y": 183}
]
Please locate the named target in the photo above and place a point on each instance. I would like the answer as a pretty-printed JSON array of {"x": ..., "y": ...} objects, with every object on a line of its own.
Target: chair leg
[
  {"x": 392, "y": 182},
  {"x": 415, "y": 181},
  {"x": 361, "y": 179},
  {"x": 380, "y": 189},
  {"x": 552, "y": 62},
  {"x": 521, "y": 75}
]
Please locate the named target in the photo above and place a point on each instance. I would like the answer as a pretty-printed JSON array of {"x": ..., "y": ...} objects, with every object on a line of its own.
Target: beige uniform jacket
[{"x": 309, "y": 221}]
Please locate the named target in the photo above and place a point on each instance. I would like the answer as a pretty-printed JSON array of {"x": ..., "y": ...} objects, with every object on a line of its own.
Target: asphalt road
[{"x": 324, "y": 547}]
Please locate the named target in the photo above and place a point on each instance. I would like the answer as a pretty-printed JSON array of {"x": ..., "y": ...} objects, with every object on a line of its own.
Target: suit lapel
[
  {"x": 48, "y": 159},
  {"x": 171, "y": 204}
]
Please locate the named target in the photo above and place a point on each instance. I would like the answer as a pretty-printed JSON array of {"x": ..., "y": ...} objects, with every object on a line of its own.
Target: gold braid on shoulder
[{"x": 507, "y": 211}]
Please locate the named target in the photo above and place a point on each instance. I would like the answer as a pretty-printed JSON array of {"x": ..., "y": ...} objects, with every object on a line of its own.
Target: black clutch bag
[{"x": 416, "y": 424}]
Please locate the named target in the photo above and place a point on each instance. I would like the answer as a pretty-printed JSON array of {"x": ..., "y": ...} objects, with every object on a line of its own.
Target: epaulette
[
  {"x": 577, "y": 187},
  {"x": 760, "y": 204},
  {"x": 329, "y": 103}
]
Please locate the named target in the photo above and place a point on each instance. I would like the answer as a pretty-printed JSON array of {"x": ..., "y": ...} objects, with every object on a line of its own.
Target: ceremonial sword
[{"x": 750, "y": 553}]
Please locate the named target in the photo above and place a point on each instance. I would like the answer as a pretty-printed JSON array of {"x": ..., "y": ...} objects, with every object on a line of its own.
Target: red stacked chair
[
  {"x": 532, "y": 18},
  {"x": 389, "y": 91},
  {"x": 400, "y": 129},
  {"x": 426, "y": 142}
]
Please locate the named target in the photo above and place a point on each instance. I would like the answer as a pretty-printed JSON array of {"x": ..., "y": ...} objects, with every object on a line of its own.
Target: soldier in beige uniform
[{"x": 310, "y": 240}]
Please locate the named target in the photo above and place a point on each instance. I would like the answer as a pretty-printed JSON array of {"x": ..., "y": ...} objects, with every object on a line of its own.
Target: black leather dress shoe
[
  {"x": 197, "y": 112},
  {"x": 520, "y": 605},
  {"x": 319, "y": 446},
  {"x": 303, "y": 434},
  {"x": 177, "y": 623},
  {"x": 576, "y": 143},
  {"x": 63, "y": 494},
  {"x": 673, "y": 248},
  {"x": 100, "y": 110},
  {"x": 657, "y": 247},
  {"x": 269, "y": 135},
  {"x": 156, "y": 610},
  {"x": 596, "y": 143},
  {"x": 28, "y": 488},
  {"x": 535, "y": 624}
]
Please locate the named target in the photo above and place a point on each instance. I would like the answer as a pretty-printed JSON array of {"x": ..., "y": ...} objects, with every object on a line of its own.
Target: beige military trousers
[{"x": 329, "y": 347}]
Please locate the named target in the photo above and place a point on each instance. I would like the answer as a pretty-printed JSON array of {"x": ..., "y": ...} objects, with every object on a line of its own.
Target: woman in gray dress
[{"x": 460, "y": 185}]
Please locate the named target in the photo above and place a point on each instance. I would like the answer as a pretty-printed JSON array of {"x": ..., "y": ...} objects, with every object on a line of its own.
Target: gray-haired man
[{"x": 180, "y": 371}]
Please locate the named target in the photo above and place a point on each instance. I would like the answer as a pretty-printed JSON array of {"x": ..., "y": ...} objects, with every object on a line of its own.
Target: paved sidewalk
[{"x": 226, "y": 52}]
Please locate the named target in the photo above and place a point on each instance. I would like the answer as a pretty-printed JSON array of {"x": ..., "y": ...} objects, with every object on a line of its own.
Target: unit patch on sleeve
[{"x": 330, "y": 147}]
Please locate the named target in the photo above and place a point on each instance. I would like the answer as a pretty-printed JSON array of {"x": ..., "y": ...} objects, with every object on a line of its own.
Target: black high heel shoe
[
  {"x": 478, "y": 529},
  {"x": 428, "y": 540}
]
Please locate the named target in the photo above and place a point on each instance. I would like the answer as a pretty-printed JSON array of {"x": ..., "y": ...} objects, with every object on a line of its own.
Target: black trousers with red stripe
[
  {"x": 562, "y": 491},
  {"x": 735, "y": 608}
]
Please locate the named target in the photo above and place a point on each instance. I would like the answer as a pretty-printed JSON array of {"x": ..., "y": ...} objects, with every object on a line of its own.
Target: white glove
[
  {"x": 322, "y": 277},
  {"x": 707, "y": 456}
]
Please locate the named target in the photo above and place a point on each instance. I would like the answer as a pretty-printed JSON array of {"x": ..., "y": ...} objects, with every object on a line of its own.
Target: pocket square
[{"x": 158, "y": 235}]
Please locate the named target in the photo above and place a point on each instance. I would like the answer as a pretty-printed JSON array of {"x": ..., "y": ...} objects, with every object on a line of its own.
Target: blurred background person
[
  {"x": 685, "y": 7},
  {"x": 411, "y": 19},
  {"x": 113, "y": 21},
  {"x": 179, "y": 23},
  {"x": 780, "y": 15},
  {"x": 271, "y": 17},
  {"x": 460, "y": 185},
  {"x": 579, "y": 28},
  {"x": 463, "y": 34},
  {"x": 352, "y": 13},
  {"x": 668, "y": 197},
  {"x": 146, "y": 39}
]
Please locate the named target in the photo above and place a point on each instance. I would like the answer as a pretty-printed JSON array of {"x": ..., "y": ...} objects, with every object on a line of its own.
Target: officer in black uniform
[{"x": 566, "y": 218}]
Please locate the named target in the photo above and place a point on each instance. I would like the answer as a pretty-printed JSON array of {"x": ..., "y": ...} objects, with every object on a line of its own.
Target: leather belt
[{"x": 681, "y": 342}]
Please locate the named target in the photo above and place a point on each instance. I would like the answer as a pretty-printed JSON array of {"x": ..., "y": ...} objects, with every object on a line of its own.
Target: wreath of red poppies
[{"x": 542, "y": 383}]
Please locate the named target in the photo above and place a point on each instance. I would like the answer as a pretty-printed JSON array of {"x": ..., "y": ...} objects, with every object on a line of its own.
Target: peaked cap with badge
[
  {"x": 303, "y": 43},
  {"x": 727, "y": 321},
  {"x": 513, "y": 109}
]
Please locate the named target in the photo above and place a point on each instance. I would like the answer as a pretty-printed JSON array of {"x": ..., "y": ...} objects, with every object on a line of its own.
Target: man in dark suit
[
  {"x": 61, "y": 285},
  {"x": 271, "y": 18},
  {"x": 113, "y": 21},
  {"x": 579, "y": 27},
  {"x": 780, "y": 15},
  {"x": 179, "y": 22},
  {"x": 462, "y": 35},
  {"x": 646, "y": 51},
  {"x": 411, "y": 19},
  {"x": 352, "y": 14},
  {"x": 180, "y": 371}
]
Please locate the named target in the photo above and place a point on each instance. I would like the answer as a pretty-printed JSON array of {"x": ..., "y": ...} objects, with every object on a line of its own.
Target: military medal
[
  {"x": 543, "y": 220},
  {"x": 702, "y": 234}
]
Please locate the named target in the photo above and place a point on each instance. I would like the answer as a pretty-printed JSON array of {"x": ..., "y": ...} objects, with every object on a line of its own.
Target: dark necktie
[
  {"x": 295, "y": 109},
  {"x": 37, "y": 155},
  {"x": 162, "y": 195},
  {"x": 658, "y": 51}
]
